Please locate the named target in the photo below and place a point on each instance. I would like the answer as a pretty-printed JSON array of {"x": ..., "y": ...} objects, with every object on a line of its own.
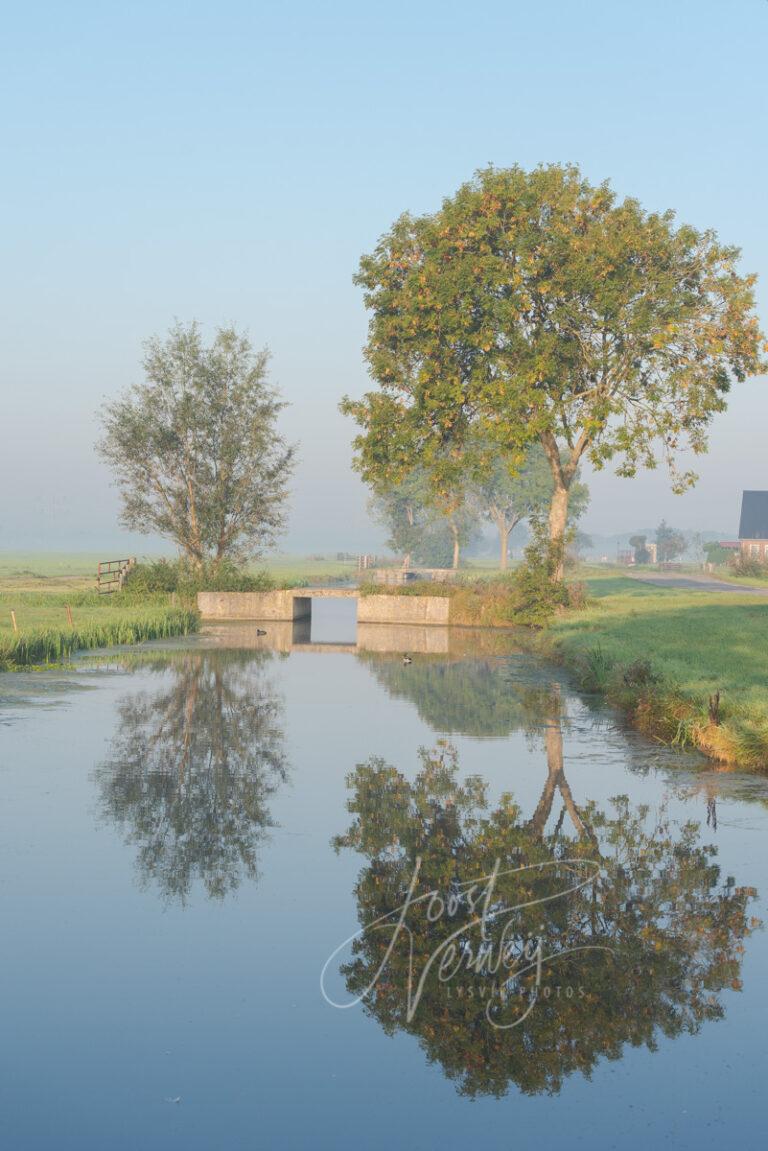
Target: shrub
[
  {"x": 639, "y": 673},
  {"x": 536, "y": 596},
  {"x": 179, "y": 576},
  {"x": 751, "y": 566}
]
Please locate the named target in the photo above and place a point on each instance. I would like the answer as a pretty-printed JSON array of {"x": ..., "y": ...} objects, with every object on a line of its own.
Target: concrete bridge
[{"x": 296, "y": 604}]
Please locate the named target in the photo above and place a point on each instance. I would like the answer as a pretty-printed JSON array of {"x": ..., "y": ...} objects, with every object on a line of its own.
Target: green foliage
[
  {"x": 536, "y": 306},
  {"x": 716, "y": 554},
  {"x": 642, "y": 555},
  {"x": 422, "y": 525},
  {"x": 195, "y": 449},
  {"x": 506, "y": 496},
  {"x": 670, "y": 543},
  {"x": 186, "y": 580},
  {"x": 536, "y": 594}
]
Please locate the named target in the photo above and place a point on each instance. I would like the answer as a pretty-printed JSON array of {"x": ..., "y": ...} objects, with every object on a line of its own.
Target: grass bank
[
  {"x": 687, "y": 667},
  {"x": 45, "y": 635}
]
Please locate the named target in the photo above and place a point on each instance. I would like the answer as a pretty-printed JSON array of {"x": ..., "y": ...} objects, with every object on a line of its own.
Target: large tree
[
  {"x": 507, "y": 497},
  {"x": 195, "y": 448},
  {"x": 536, "y": 306}
]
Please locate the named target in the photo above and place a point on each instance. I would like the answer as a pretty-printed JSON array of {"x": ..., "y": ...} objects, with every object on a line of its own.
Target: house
[{"x": 753, "y": 526}]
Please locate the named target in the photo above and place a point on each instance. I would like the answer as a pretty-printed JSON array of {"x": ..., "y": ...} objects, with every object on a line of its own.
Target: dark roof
[{"x": 754, "y": 516}]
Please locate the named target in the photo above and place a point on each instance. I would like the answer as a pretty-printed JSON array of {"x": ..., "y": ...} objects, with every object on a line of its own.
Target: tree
[
  {"x": 536, "y": 306},
  {"x": 670, "y": 543},
  {"x": 642, "y": 555},
  {"x": 426, "y": 526},
  {"x": 506, "y": 498},
  {"x": 716, "y": 553},
  {"x": 195, "y": 448}
]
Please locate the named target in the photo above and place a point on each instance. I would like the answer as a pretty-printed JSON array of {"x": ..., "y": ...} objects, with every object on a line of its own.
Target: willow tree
[
  {"x": 537, "y": 306},
  {"x": 195, "y": 449}
]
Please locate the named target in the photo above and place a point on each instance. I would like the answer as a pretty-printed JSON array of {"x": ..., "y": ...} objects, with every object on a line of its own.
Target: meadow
[{"x": 687, "y": 666}]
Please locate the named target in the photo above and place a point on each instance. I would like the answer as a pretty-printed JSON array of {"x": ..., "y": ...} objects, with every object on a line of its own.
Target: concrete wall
[
  {"x": 413, "y": 609},
  {"x": 261, "y": 605},
  {"x": 291, "y": 605}
]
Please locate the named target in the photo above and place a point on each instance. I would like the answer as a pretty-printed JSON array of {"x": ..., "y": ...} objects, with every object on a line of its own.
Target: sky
[{"x": 230, "y": 162}]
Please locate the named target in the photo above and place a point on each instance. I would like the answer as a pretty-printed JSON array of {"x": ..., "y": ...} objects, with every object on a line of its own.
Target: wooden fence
[{"x": 110, "y": 574}]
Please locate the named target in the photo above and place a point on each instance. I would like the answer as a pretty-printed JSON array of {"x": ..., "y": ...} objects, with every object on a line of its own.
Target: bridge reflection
[{"x": 290, "y": 636}]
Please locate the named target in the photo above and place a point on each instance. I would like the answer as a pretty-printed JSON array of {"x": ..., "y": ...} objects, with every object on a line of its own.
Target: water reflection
[
  {"x": 642, "y": 946},
  {"x": 466, "y": 696},
  {"x": 191, "y": 769}
]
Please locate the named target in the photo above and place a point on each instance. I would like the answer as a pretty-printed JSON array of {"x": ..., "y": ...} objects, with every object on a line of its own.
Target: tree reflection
[
  {"x": 642, "y": 949},
  {"x": 191, "y": 770},
  {"x": 467, "y": 696}
]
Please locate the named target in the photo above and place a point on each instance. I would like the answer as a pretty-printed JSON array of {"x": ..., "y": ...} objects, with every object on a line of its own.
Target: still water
[{"x": 552, "y": 927}]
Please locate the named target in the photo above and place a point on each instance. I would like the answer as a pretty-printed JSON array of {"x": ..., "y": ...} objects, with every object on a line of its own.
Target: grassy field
[
  {"x": 76, "y": 571},
  {"x": 44, "y": 634},
  {"x": 663, "y": 654}
]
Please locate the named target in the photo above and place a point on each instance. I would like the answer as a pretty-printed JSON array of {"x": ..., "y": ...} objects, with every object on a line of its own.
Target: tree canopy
[
  {"x": 195, "y": 449},
  {"x": 534, "y": 305},
  {"x": 670, "y": 543}
]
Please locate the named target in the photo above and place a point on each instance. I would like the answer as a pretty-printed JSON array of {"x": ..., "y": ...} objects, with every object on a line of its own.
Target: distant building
[{"x": 753, "y": 525}]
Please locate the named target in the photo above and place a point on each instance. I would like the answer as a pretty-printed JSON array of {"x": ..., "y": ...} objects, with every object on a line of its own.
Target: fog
[{"x": 231, "y": 165}]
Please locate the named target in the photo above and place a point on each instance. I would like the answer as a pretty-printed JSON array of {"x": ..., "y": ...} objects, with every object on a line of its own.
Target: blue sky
[{"x": 230, "y": 162}]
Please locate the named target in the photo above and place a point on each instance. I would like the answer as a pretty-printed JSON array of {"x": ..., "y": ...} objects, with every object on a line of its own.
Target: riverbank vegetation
[
  {"x": 50, "y": 628},
  {"x": 686, "y": 667}
]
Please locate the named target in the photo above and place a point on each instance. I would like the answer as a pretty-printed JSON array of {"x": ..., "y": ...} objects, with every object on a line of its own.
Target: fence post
[{"x": 13, "y": 620}]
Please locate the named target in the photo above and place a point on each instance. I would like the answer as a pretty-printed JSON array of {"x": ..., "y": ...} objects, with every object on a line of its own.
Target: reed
[{"x": 38, "y": 646}]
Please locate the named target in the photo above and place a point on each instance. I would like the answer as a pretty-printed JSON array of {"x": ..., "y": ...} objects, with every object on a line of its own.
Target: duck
[
  {"x": 260, "y": 631},
  {"x": 407, "y": 659}
]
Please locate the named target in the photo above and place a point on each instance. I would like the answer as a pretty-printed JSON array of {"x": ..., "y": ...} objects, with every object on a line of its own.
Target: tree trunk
[
  {"x": 563, "y": 474},
  {"x": 504, "y": 542},
  {"x": 558, "y": 518},
  {"x": 456, "y": 546}
]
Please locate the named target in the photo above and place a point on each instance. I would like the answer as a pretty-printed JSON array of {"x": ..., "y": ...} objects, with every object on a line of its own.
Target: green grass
[
  {"x": 44, "y": 635},
  {"x": 662, "y": 653}
]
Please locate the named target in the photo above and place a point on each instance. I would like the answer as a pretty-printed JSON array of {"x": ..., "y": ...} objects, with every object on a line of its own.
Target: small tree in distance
[
  {"x": 642, "y": 555},
  {"x": 423, "y": 526},
  {"x": 670, "y": 543},
  {"x": 507, "y": 498},
  {"x": 195, "y": 449}
]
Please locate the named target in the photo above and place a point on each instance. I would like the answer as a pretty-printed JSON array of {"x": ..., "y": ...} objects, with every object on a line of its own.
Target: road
[{"x": 692, "y": 582}]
